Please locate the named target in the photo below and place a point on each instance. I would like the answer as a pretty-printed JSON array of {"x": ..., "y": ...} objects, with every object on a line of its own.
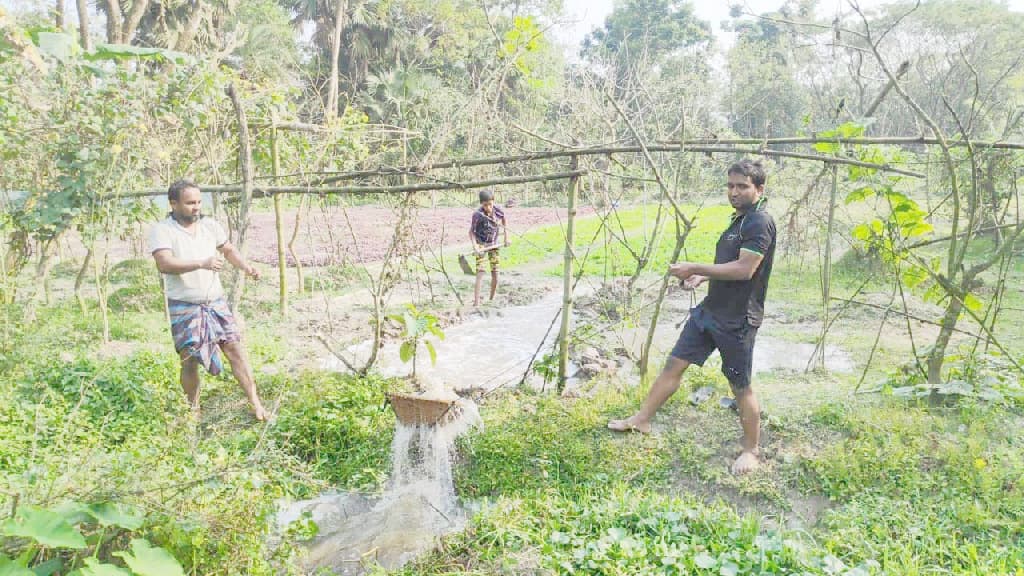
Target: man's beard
[{"x": 187, "y": 218}]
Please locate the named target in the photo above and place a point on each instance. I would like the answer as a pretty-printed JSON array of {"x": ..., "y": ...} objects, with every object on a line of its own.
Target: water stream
[
  {"x": 485, "y": 351},
  {"x": 417, "y": 509}
]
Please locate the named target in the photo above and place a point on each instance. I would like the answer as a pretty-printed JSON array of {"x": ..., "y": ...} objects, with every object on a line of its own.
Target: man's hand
[
  {"x": 682, "y": 270},
  {"x": 252, "y": 272},
  {"x": 214, "y": 263},
  {"x": 694, "y": 281}
]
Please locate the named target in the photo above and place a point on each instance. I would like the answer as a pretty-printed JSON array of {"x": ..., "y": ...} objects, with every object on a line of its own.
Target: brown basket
[{"x": 414, "y": 410}]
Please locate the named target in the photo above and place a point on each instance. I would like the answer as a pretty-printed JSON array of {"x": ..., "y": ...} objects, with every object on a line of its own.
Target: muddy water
[
  {"x": 418, "y": 508},
  {"x": 490, "y": 349}
]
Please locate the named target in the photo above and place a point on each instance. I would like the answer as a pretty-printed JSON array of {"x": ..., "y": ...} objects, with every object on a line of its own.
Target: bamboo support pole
[
  {"x": 549, "y": 155},
  {"x": 567, "y": 288},
  {"x": 826, "y": 273},
  {"x": 275, "y": 161}
]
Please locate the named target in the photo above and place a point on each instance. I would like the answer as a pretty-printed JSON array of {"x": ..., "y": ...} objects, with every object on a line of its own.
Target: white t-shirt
[{"x": 200, "y": 285}]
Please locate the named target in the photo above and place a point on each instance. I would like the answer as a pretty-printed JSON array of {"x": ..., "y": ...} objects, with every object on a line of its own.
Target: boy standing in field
[{"x": 483, "y": 233}]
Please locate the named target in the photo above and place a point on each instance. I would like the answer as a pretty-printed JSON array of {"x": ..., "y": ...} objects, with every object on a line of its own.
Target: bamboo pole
[
  {"x": 567, "y": 289},
  {"x": 826, "y": 273},
  {"x": 245, "y": 158},
  {"x": 279, "y": 227},
  {"x": 291, "y": 244},
  {"x": 264, "y": 191}
]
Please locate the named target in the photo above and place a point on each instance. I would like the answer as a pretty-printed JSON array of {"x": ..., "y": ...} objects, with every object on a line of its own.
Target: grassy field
[{"x": 852, "y": 483}]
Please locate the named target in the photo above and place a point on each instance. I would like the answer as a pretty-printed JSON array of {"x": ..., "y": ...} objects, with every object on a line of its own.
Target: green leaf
[
  {"x": 74, "y": 512},
  {"x": 934, "y": 294},
  {"x": 860, "y": 194},
  {"x": 914, "y": 276},
  {"x": 973, "y": 303},
  {"x": 436, "y": 331},
  {"x": 145, "y": 560},
  {"x": 48, "y": 568},
  {"x": 430, "y": 349},
  {"x": 826, "y": 147},
  {"x": 704, "y": 560},
  {"x": 412, "y": 327},
  {"x": 9, "y": 568},
  {"x": 916, "y": 229},
  {"x": 60, "y": 46},
  {"x": 45, "y": 527},
  {"x": 850, "y": 130},
  {"x": 126, "y": 52},
  {"x": 862, "y": 232},
  {"x": 397, "y": 318},
  {"x": 406, "y": 351},
  {"x": 93, "y": 567},
  {"x": 116, "y": 514}
]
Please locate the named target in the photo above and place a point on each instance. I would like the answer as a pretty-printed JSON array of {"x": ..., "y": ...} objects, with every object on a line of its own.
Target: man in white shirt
[{"x": 188, "y": 250}]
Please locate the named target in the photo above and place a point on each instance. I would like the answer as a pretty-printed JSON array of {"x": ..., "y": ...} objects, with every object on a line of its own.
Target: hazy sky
[{"x": 588, "y": 14}]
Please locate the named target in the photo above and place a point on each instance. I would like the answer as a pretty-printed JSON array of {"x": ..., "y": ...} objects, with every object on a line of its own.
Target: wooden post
[
  {"x": 826, "y": 271},
  {"x": 563, "y": 334},
  {"x": 242, "y": 225},
  {"x": 279, "y": 225}
]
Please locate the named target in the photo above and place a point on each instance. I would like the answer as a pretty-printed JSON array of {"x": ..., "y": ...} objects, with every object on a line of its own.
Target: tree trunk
[
  {"x": 59, "y": 15},
  {"x": 188, "y": 33},
  {"x": 113, "y": 21},
  {"x": 83, "y": 25},
  {"x": 132, "y": 21},
  {"x": 80, "y": 279},
  {"x": 43, "y": 269},
  {"x": 101, "y": 294},
  {"x": 340, "y": 8},
  {"x": 938, "y": 353}
]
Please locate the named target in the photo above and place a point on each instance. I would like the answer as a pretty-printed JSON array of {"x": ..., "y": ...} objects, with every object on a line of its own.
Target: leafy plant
[
  {"x": 60, "y": 530},
  {"x": 417, "y": 327},
  {"x": 971, "y": 374}
]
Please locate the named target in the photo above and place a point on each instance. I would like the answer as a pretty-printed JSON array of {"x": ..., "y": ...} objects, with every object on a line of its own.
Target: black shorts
[{"x": 703, "y": 333}]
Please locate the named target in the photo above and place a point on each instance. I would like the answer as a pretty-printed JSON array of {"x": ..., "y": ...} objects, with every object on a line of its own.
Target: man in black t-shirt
[{"x": 729, "y": 316}]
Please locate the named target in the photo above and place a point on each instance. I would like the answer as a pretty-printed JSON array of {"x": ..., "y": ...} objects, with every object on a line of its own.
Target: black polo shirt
[{"x": 735, "y": 301}]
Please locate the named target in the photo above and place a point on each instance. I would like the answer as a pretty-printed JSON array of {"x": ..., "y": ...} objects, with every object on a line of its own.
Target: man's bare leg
[
  {"x": 476, "y": 289},
  {"x": 750, "y": 420},
  {"x": 494, "y": 283},
  {"x": 665, "y": 385},
  {"x": 190, "y": 381},
  {"x": 243, "y": 373}
]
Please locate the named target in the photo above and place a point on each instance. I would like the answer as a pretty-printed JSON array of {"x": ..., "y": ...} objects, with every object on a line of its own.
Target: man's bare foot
[
  {"x": 630, "y": 424},
  {"x": 747, "y": 462},
  {"x": 261, "y": 414}
]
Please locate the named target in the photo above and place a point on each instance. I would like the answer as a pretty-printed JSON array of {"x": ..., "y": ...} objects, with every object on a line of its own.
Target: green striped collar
[{"x": 758, "y": 206}]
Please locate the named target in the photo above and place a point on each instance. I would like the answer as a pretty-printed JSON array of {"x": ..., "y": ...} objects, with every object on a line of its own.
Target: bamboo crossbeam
[
  {"x": 864, "y": 140},
  {"x": 265, "y": 191},
  {"x": 729, "y": 147},
  {"x": 707, "y": 146}
]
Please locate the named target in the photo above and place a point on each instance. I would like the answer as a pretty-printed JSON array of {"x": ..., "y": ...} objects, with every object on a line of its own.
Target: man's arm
[
  {"x": 168, "y": 263},
  {"x": 235, "y": 257},
  {"x": 742, "y": 268}
]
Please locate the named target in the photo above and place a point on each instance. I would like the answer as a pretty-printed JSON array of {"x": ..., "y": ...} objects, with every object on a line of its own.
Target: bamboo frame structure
[{"x": 700, "y": 145}]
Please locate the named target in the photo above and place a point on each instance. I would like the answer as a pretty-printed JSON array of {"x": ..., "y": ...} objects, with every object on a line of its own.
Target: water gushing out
[{"x": 418, "y": 507}]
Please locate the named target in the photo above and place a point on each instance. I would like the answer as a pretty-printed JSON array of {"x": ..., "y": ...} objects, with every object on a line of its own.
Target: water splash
[{"x": 417, "y": 509}]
